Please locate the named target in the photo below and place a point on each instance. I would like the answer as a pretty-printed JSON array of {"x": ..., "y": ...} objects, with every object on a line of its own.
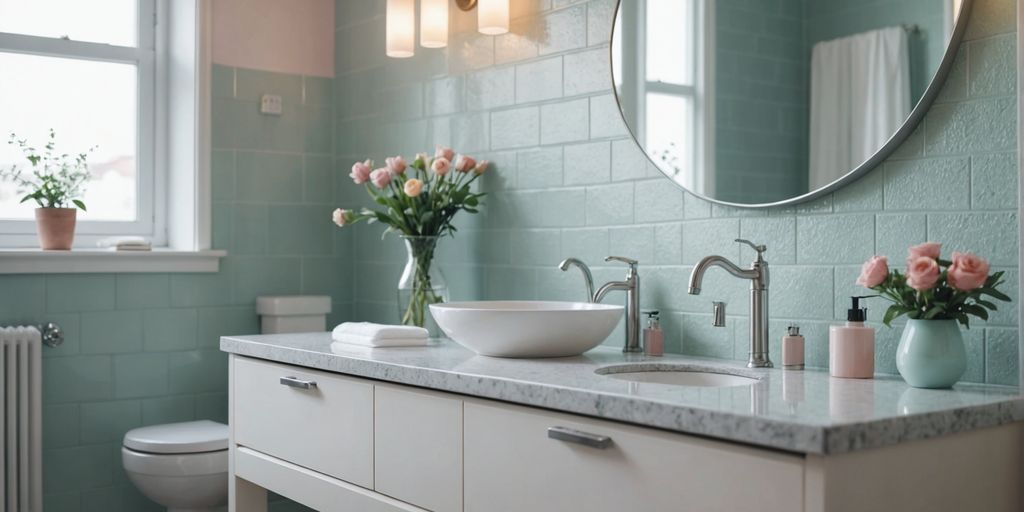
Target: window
[
  {"x": 89, "y": 71},
  {"x": 671, "y": 74}
]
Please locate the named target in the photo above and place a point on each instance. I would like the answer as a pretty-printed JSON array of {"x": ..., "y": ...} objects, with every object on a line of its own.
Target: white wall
[{"x": 287, "y": 36}]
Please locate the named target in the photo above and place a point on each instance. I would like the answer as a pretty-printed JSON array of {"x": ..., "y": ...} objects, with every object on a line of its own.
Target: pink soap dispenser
[
  {"x": 851, "y": 347},
  {"x": 654, "y": 339}
]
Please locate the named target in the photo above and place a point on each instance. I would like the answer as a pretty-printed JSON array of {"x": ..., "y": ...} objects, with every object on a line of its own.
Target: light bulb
[
  {"x": 400, "y": 28},
  {"x": 493, "y": 17}
]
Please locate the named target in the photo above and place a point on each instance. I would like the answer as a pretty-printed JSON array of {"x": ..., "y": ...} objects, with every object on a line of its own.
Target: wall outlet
[{"x": 270, "y": 104}]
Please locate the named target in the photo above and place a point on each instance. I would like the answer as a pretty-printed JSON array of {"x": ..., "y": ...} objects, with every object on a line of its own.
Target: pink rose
[
  {"x": 441, "y": 165},
  {"x": 413, "y": 187},
  {"x": 925, "y": 250},
  {"x": 361, "y": 172},
  {"x": 464, "y": 163},
  {"x": 396, "y": 164},
  {"x": 481, "y": 167},
  {"x": 922, "y": 273},
  {"x": 874, "y": 272},
  {"x": 341, "y": 217},
  {"x": 968, "y": 272},
  {"x": 444, "y": 152},
  {"x": 381, "y": 177}
]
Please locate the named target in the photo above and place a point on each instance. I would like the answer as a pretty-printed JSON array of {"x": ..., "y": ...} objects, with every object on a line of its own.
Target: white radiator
[{"x": 21, "y": 422}]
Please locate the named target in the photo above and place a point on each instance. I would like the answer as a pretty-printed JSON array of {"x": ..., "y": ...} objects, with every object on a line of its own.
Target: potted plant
[
  {"x": 55, "y": 181},
  {"x": 937, "y": 296},
  {"x": 419, "y": 201}
]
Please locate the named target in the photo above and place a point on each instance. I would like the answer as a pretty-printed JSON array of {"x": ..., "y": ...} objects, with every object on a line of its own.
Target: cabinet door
[
  {"x": 418, "y": 447},
  {"x": 326, "y": 427},
  {"x": 511, "y": 464}
]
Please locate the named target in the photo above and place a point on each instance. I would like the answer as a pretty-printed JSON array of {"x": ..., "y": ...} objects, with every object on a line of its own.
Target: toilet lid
[{"x": 188, "y": 437}]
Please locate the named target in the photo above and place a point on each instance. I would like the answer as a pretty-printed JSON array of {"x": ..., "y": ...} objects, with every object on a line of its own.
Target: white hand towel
[
  {"x": 380, "y": 331},
  {"x": 366, "y": 341}
]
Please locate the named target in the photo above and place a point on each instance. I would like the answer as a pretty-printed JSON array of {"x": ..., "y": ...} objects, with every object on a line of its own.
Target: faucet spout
[
  {"x": 611, "y": 286},
  {"x": 588, "y": 277},
  {"x": 697, "y": 276}
]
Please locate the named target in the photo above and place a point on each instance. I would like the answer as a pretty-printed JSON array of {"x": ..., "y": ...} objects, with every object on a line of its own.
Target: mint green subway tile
[
  {"x": 1001, "y": 348},
  {"x": 903, "y": 179},
  {"x": 222, "y": 175},
  {"x": 801, "y": 292},
  {"x": 1008, "y": 312},
  {"x": 994, "y": 181},
  {"x": 507, "y": 283},
  {"x": 205, "y": 289},
  {"x": 706, "y": 237},
  {"x": 249, "y": 226},
  {"x": 140, "y": 375},
  {"x": 695, "y": 207},
  {"x": 658, "y": 200},
  {"x": 668, "y": 244},
  {"x": 590, "y": 244},
  {"x": 318, "y": 90},
  {"x": 566, "y": 29},
  {"x": 252, "y": 84},
  {"x": 539, "y": 168},
  {"x": 107, "y": 499},
  {"x": 971, "y": 127},
  {"x": 635, "y": 242},
  {"x": 136, "y": 291},
  {"x": 225, "y": 114},
  {"x": 471, "y": 132},
  {"x": 539, "y": 80},
  {"x": 515, "y": 128},
  {"x": 319, "y": 129},
  {"x": 63, "y": 501},
  {"x": 225, "y": 321},
  {"x": 134, "y": 501},
  {"x": 109, "y": 421},
  {"x": 628, "y": 161},
  {"x": 78, "y": 468},
  {"x": 222, "y": 80},
  {"x": 700, "y": 338},
  {"x": 295, "y": 230},
  {"x": 539, "y": 247},
  {"x": 990, "y": 235},
  {"x": 566, "y": 121},
  {"x": 995, "y": 17},
  {"x": 444, "y": 96},
  {"x": 587, "y": 163},
  {"x": 23, "y": 297},
  {"x": 257, "y": 131},
  {"x": 609, "y": 204},
  {"x": 516, "y": 45},
  {"x": 587, "y": 72},
  {"x": 490, "y": 88},
  {"x": 198, "y": 371},
  {"x": 887, "y": 339},
  {"x": 835, "y": 238},
  {"x": 71, "y": 325},
  {"x": 168, "y": 409},
  {"x": 60, "y": 425},
  {"x": 328, "y": 276},
  {"x": 268, "y": 177},
  {"x": 778, "y": 234},
  {"x": 111, "y": 332},
  {"x": 79, "y": 292},
  {"x": 955, "y": 86},
  {"x": 895, "y": 233},
  {"x": 863, "y": 195},
  {"x": 170, "y": 329},
  {"x": 367, "y": 281},
  {"x": 212, "y": 406},
  {"x": 76, "y": 379},
  {"x": 318, "y": 177},
  {"x": 974, "y": 344},
  {"x": 255, "y": 276},
  {"x": 221, "y": 225}
]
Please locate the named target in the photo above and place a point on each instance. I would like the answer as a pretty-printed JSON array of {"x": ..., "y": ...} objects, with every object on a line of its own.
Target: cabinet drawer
[
  {"x": 511, "y": 464},
  {"x": 326, "y": 428},
  {"x": 418, "y": 447}
]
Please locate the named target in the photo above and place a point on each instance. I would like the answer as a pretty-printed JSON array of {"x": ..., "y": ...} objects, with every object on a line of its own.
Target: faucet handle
[
  {"x": 628, "y": 261},
  {"x": 757, "y": 247},
  {"x": 718, "y": 314}
]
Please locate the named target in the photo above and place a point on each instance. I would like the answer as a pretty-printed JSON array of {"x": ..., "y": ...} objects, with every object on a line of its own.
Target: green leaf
[
  {"x": 987, "y": 304},
  {"x": 79, "y": 204},
  {"x": 996, "y": 293},
  {"x": 892, "y": 313},
  {"x": 976, "y": 310},
  {"x": 933, "y": 312}
]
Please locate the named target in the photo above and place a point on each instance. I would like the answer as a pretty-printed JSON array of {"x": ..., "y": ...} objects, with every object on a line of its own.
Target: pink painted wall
[{"x": 287, "y": 36}]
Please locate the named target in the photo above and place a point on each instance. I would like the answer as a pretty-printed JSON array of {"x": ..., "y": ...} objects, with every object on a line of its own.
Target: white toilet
[{"x": 182, "y": 466}]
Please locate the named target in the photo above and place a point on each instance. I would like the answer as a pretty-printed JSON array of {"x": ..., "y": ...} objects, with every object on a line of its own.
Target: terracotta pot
[{"x": 56, "y": 228}]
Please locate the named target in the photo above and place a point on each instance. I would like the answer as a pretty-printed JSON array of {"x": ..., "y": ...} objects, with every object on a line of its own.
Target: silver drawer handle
[
  {"x": 294, "y": 382},
  {"x": 579, "y": 437}
]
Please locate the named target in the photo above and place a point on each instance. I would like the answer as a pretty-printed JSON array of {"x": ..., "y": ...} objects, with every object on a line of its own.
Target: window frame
[{"x": 148, "y": 57}]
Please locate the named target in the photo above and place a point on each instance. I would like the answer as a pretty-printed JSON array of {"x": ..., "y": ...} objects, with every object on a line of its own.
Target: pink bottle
[
  {"x": 793, "y": 349},
  {"x": 654, "y": 338},
  {"x": 851, "y": 347}
]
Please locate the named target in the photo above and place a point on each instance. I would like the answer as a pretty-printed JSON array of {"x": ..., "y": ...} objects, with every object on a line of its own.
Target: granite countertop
[{"x": 798, "y": 411}]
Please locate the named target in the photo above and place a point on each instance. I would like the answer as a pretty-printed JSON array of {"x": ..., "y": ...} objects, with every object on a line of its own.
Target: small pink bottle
[
  {"x": 793, "y": 349},
  {"x": 851, "y": 347},
  {"x": 654, "y": 339}
]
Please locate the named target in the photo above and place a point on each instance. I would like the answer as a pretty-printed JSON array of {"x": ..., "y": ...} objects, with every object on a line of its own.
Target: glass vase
[
  {"x": 422, "y": 283},
  {"x": 931, "y": 353}
]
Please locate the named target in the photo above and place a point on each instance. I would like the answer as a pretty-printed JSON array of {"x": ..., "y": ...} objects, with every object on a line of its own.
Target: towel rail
[{"x": 53, "y": 335}]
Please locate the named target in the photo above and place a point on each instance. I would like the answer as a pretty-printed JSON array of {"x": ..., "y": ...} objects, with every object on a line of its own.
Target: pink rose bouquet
[{"x": 932, "y": 288}]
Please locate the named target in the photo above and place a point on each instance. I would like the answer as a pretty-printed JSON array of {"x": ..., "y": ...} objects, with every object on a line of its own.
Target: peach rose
[
  {"x": 441, "y": 165},
  {"x": 444, "y": 152},
  {"x": 361, "y": 172},
  {"x": 968, "y": 272},
  {"x": 464, "y": 163},
  {"x": 341, "y": 217},
  {"x": 922, "y": 273},
  {"x": 381, "y": 177},
  {"x": 396, "y": 164},
  {"x": 925, "y": 250},
  {"x": 481, "y": 167},
  {"x": 874, "y": 272},
  {"x": 413, "y": 187}
]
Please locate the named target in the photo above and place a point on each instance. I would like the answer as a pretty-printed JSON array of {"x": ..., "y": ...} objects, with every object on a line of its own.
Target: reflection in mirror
[{"x": 755, "y": 102}]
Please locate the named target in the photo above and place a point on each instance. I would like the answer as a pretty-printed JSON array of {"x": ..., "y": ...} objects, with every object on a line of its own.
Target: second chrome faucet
[{"x": 630, "y": 285}]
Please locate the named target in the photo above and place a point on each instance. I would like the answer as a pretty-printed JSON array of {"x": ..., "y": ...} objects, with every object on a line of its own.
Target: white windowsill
[{"x": 79, "y": 261}]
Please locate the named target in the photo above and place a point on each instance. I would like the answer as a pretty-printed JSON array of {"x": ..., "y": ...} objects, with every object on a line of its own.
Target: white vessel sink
[
  {"x": 676, "y": 376},
  {"x": 527, "y": 328}
]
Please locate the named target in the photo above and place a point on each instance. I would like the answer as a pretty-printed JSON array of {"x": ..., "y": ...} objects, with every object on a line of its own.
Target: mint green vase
[{"x": 931, "y": 353}]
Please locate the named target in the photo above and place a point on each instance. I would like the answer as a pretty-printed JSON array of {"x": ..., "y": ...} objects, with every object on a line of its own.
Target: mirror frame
[{"x": 912, "y": 122}]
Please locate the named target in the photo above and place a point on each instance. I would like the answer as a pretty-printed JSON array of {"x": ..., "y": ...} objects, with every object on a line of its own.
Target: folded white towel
[
  {"x": 125, "y": 243},
  {"x": 366, "y": 341},
  {"x": 380, "y": 331}
]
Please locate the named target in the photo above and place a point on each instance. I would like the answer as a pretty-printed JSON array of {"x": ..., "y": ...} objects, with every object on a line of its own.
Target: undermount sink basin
[
  {"x": 527, "y": 328},
  {"x": 677, "y": 375}
]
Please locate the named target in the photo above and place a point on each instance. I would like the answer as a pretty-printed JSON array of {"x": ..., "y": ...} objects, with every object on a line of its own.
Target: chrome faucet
[
  {"x": 630, "y": 285},
  {"x": 758, "y": 276}
]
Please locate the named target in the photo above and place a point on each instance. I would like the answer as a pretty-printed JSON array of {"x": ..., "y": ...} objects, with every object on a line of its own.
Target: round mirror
[{"x": 758, "y": 103}]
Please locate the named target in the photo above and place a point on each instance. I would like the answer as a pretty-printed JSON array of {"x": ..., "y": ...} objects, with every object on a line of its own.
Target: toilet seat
[
  {"x": 178, "y": 438},
  {"x": 175, "y": 465}
]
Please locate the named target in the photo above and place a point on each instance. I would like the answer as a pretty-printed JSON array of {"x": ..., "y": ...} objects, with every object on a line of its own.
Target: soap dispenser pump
[{"x": 851, "y": 347}]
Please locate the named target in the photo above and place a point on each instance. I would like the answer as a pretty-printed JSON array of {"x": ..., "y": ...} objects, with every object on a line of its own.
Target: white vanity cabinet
[{"x": 340, "y": 443}]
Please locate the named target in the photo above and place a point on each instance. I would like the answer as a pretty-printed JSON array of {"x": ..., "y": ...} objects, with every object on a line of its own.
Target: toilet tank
[{"x": 293, "y": 313}]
